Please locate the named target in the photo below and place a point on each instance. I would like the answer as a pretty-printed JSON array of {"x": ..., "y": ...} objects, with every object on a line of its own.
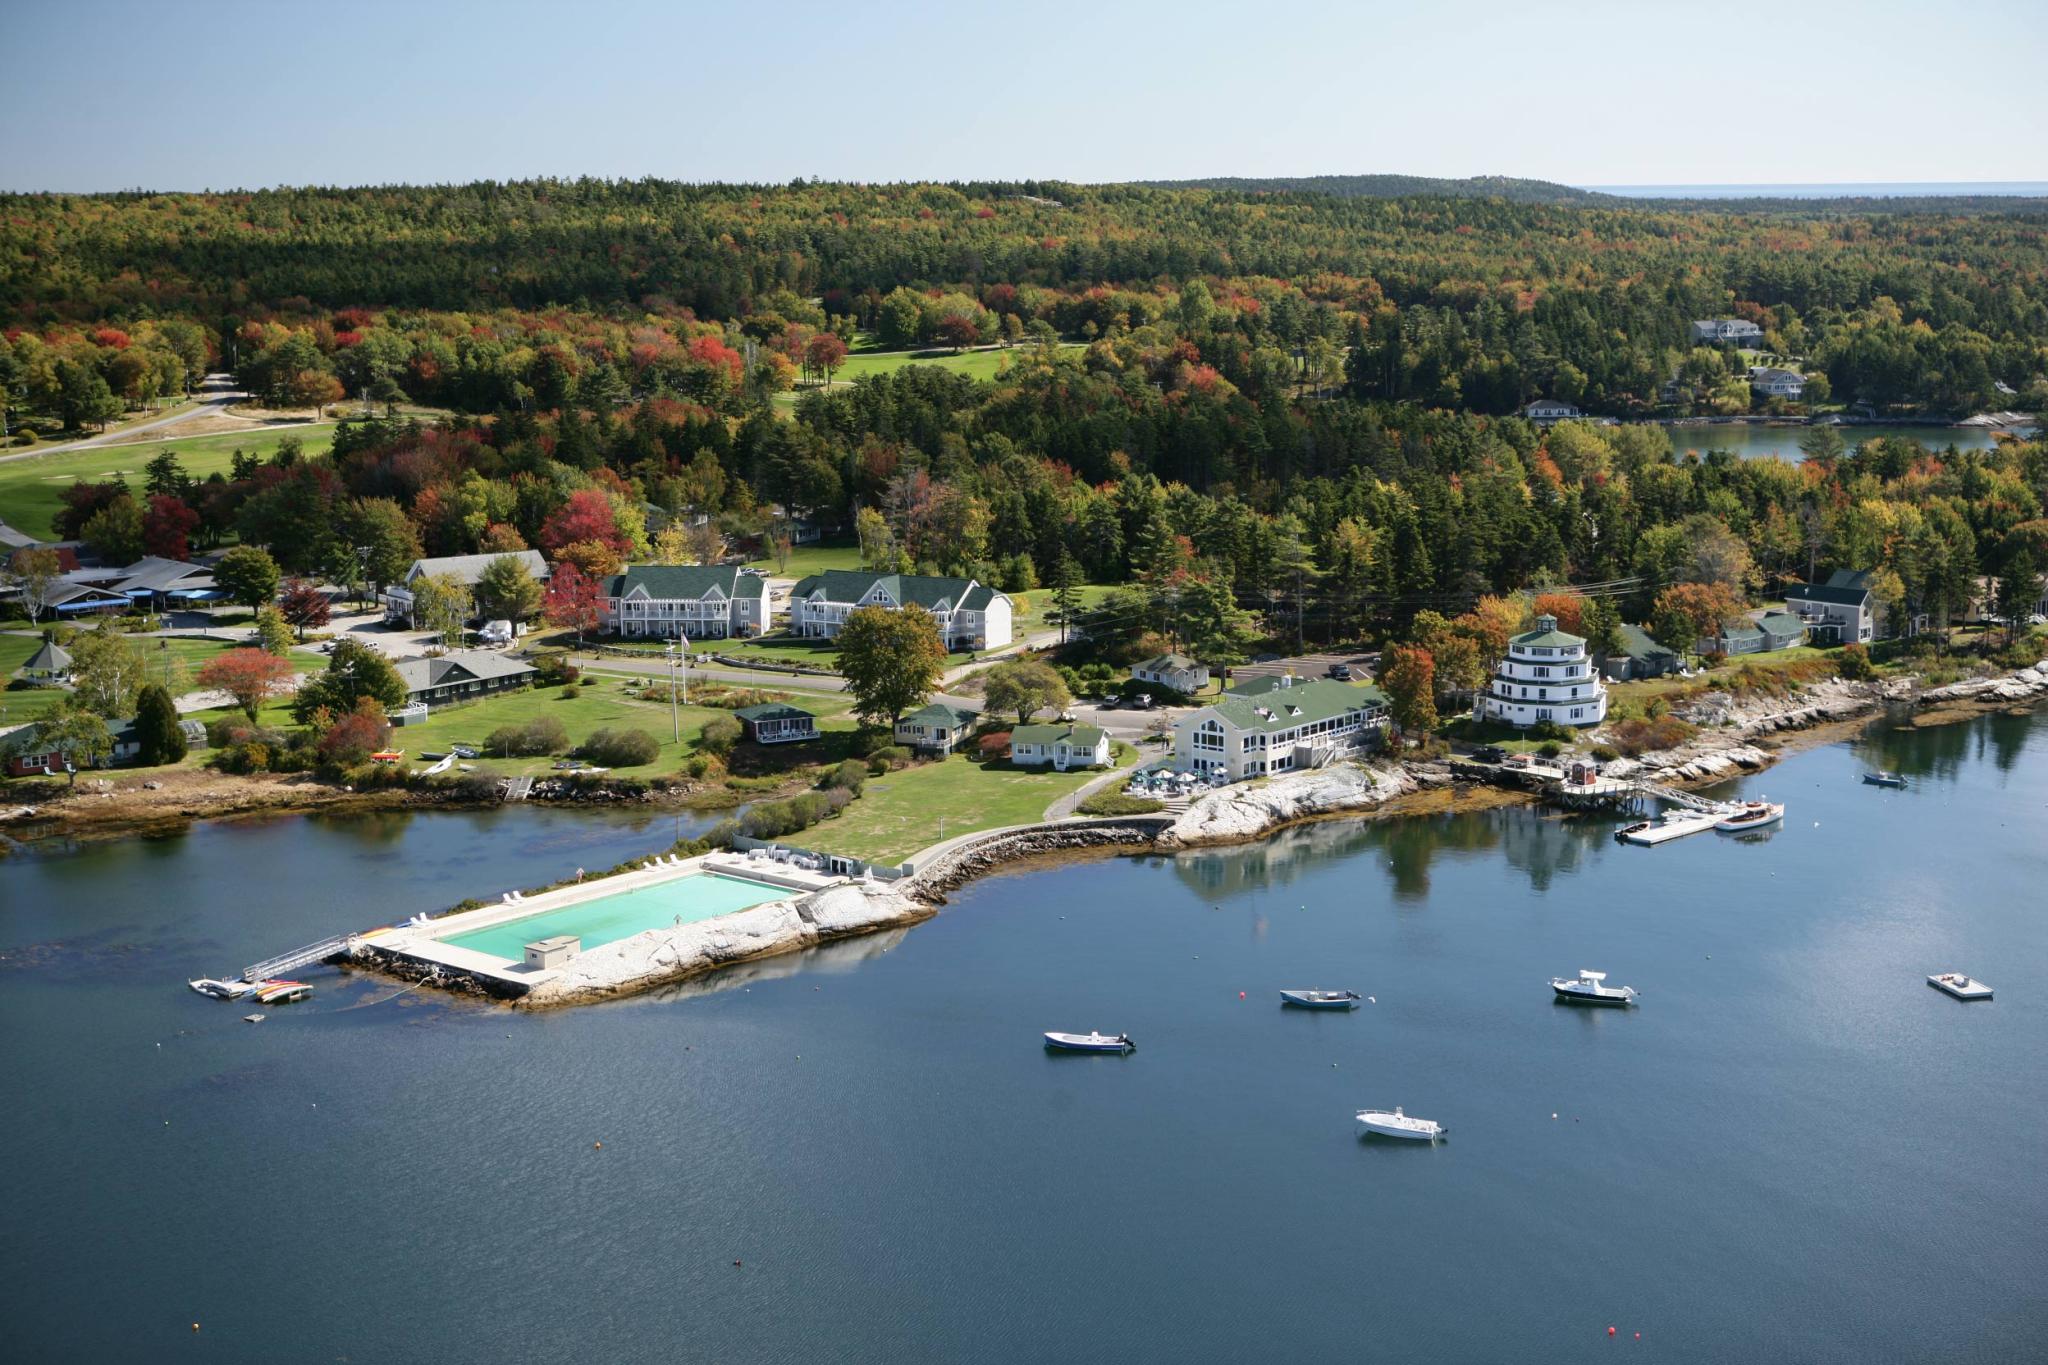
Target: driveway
[{"x": 217, "y": 393}]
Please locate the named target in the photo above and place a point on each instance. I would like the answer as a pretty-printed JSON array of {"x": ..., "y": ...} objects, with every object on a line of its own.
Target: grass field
[
  {"x": 901, "y": 813},
  {"x": 31, "y": 488},
  {"x": 810, "y": 559},
  {"x": 975, "y": 364}
]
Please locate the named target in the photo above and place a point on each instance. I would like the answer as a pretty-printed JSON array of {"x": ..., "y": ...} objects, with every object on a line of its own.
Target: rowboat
[
  {"x": 1885, "y": 779},
  {"x": 1381, "y": 1123},
  {"x": 1752, "y": 815},
  {"x": 1089, "y": 1042},
  {"x": 1320, "y": 1000}
]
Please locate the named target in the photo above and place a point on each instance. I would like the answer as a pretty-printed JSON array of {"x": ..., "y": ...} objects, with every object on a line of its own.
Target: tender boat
[
  {"x": 1590, "y": 989},
  {"x": 1752, "y": 815},
  {"x": 1400, "y": 1125},
  {"x": 1885, "y": 779},
  {"x": 282, "y": 992},
  {"x": 221, "y": 990},
  {"x": 1320, "y": 1000},
  {"x": 252, "y": 1018},
  {"x": 1960, "y": 986},
  {"x": 1089, "y": 1042}
]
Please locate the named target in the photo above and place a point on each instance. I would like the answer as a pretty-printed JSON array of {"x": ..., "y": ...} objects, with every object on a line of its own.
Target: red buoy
[
  {"x": 1240, "y": 995},
  {"x": 1610, "y": 1331}
]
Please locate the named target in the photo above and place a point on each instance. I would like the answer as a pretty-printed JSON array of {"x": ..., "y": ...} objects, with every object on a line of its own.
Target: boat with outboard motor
[
  {"x": 1395, "y": 1124},
  {"x": 1751, "y": 815},
  {"x": 1885, "y": 779},
  {"x": 1089, "y": 1042},
  {"x": 1320, "y": 1000},
  {"x": 1591, "y": 989}
]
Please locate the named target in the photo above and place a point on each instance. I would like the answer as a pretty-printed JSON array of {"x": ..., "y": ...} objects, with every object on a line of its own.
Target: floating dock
[
  {"x": 1656, "y": 832},
  {"x": 1960, "y": 986}
]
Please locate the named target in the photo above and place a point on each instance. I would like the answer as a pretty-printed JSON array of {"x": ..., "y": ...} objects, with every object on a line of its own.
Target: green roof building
[
  {"x": 1059, "y": 746},
  {"x": 1278, "y": 724},
  {"x": 777, "y": 722},
  {"x": 685, "y": 601},
  {"x": 970, "y": 614}
]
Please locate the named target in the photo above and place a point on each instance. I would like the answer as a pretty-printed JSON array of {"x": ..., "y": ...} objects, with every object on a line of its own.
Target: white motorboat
[
  {"x": 1751, "y": 815},
  {"x": 221, "y": 990},
  {"x": 1090, "y": 1042},
  {"x": 1591, "y": 989},
  {"x": 1400, "y": 1125}
]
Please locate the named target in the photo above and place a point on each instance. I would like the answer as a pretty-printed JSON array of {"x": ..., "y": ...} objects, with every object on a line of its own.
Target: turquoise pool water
[{"x": 699, "y": 896}]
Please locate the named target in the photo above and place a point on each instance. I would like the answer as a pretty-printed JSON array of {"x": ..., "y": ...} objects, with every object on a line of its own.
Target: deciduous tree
[
  {"x": 304, "y": 606},
  {"x": 572, "y": 600},
  {"x": 1408, "y": 676},
  {"x": 891, "y": 660},
  {"x": 1025, "y": 687},
  {"x": 506, "y": 590},
  {"x": 353, "y": 671},
  {"x": 248, "y": 575},
  {"x": 250, "y": 676}
]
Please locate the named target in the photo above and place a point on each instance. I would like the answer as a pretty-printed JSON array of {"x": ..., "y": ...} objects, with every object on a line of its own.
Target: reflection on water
[
  {"x": 1538, "y": 843},
  {"x": 1942, "y": 751}
]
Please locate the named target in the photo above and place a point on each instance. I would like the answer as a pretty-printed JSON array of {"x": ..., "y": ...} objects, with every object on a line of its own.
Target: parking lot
[{"x": 1362, "y": 665}]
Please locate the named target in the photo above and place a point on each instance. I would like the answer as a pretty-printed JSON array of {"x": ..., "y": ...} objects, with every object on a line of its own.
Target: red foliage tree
[
  {"x": 587, "y": 515},
  {"x": 712, "y": 352},
  {"x": 81, "y": 501},
  {"x": 825, "y": 353},
  {"x": 250, "y": 676},
  {"x": 572, "y": 600},
  {"x": 959, "y": 332},
  {"x": 168, "y": 526},
  {"x": 304, "y": 605},
  {"x": 1568, "y": 607},
  {"x": 357, "y": 735}
]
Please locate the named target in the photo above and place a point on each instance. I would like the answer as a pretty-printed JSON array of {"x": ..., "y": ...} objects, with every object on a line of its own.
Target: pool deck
[{"x": 423, "y": 943}]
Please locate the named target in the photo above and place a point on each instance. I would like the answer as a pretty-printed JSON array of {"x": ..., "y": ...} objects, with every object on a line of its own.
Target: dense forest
[{"x": 1290, "y": 404}]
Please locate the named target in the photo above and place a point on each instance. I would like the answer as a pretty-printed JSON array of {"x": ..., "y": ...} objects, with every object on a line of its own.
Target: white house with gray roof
[
  {"x": 1176, "y": 671},
  {"x": 465, "y": 676},
  {"x": 690, "y": 602},
  {"x": 970, "y": 615},
  {"x": 465, "y": 569},
  {"x": 1277, "y": 725},
  {"x": 1727, "y": 332}
]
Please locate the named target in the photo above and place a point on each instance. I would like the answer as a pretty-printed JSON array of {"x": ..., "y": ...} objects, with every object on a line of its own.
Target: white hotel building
[{"x": 1547, "y": 675}]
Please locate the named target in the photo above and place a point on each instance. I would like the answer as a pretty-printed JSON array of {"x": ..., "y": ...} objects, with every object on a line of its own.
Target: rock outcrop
[
  {"x": 970, "y": 859},
  {"x": 2021, "y": 685},
  {"x": 1248, "y": 810}
]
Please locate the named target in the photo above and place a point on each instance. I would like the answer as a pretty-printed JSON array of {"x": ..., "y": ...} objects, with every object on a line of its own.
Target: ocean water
[{"x": 1794, "y": 1148}]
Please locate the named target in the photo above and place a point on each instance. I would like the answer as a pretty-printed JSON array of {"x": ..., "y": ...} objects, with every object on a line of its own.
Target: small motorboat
[
  {"x": 1380, "y": 1123},
  {"x": 1089, "y": 1042},
  {"x": 1591, "y": 989},
  {"x": 1320, "y": 1000},
  {"x": 1885, "y": 779},
  {"x": 222, "y": 990},
  {"x": 1752, "y": 815},
  {"x": 281, "y": 992},
  {"x": 1960, "y": 986},
  {"x": 252, "y": 1018},
  {"x": 1629, "y": 833}
]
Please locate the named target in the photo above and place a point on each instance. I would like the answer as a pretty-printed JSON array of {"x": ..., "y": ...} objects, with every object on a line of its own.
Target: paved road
[{"x": 217, "y": 393}]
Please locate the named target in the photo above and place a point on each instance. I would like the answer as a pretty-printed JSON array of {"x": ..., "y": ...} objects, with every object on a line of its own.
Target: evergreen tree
[{"x": 157, "y": 731}]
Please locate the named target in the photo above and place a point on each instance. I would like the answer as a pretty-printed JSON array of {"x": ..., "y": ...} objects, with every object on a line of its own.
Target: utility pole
[{"x": 675, "y": 715}]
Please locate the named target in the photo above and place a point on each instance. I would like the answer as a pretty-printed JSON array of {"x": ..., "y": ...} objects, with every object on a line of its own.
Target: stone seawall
[{"x": 963, "y": 863}]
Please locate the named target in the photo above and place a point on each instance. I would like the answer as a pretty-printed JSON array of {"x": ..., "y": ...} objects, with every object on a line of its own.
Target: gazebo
[{"x": 50, "y": 664}]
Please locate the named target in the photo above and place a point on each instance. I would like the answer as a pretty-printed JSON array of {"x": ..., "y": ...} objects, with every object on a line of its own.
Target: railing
[{"x": 298, "y": 957}]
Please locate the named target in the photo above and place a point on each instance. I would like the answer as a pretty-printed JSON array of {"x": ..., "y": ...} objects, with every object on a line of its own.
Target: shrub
[
  {"x": 1633, "y": 737},
  {"x": 541, "y": 735},
  {"x": 720, "y": 733},
  {"x": 555, "y": 669},
  {"x": 355, "y": 736},
  {"x": 1605, "y": 753},
  {"x": 1853, "y": 663},
  {"x": 773, "y": 819},
  {"x": 890, "y": 756},
  {"x": 1119, "y": 803},
  {"x": 571, "y": 692},
  {"x": 1550, "y": 748},
  {"x": 1550, "y": 729},
  {"x": 1713, "y": 658},
  {"x": 620, "y": 748},
  {"x": 848, "y": 775}
]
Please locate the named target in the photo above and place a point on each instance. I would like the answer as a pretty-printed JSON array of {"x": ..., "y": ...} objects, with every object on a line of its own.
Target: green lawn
[
  {"x": 900, "y": 813},
  {"x": 30, "y": 488},
  {"x": 810, "y": 559}
]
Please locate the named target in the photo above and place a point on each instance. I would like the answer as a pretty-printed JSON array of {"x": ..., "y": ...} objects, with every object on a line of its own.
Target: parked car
[
  {"x": 1142, "y": 702},
  {"x": 1341, "y": 672},
  {"x": 1489, "y": 753}
]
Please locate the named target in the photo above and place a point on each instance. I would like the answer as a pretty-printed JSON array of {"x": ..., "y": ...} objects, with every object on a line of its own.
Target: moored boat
[
  {"x": 221, "y": 989},
  {"x": 1885, "y": 779},
  {"x": 1960, "y": 986},
  {"x": 1320, "y": 1000},
  {"x": 1752, "y": 815},
  {"x": 1090, "y": 1042},
  {"x": 1591, "y": 989},
  {"x": 1395, "y": 1124}
]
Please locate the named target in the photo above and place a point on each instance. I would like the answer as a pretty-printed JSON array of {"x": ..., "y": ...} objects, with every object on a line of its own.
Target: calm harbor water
[
  {"x": 1751, "y": 440},
  {"x": 1793, "y": 1148}
]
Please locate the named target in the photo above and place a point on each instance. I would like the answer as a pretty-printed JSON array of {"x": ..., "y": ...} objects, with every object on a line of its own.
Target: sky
[{"x": 113, "y": 94}]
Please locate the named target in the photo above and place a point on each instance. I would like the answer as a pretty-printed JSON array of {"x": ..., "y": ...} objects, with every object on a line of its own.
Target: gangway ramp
[{"x": 298, "y": 957}]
